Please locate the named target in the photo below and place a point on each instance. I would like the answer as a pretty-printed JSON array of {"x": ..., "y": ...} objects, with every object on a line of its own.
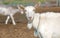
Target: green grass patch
[{"x": 15, "y": 2}]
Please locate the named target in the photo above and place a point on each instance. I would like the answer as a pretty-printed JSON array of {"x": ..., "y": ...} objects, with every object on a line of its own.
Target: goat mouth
[{"x": 30, "y": 21}]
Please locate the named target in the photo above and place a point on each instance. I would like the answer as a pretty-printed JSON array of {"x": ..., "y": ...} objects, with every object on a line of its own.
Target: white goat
[
  {"x": 47, "y": 25},
  {"x": 30, "y": 14},
  {"x": 9, "y": 12},
  {"x": 31, "y": 17}
]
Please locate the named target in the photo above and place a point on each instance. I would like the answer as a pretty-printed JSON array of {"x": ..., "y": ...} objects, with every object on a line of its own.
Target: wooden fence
[{"x": 47, "y": 9}]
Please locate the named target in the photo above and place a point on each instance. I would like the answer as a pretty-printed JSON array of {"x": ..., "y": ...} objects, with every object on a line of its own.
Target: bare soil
[{"x": 18, "y": 31}]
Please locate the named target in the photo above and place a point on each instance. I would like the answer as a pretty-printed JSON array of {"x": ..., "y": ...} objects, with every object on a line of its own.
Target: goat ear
[
  {"x": 37, "y": 5},
  {"x": 20, "y": 6}
]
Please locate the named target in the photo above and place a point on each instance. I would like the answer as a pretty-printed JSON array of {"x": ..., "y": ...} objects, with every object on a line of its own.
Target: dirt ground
[{"x": 18, "y": 31}]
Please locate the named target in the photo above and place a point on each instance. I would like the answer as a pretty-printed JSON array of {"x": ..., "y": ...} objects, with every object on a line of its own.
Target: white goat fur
[{"x": 48, "y": 24}]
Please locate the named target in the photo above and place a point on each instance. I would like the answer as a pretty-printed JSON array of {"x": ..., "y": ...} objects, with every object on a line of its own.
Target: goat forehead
[{"x": 29, "y": 8}]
